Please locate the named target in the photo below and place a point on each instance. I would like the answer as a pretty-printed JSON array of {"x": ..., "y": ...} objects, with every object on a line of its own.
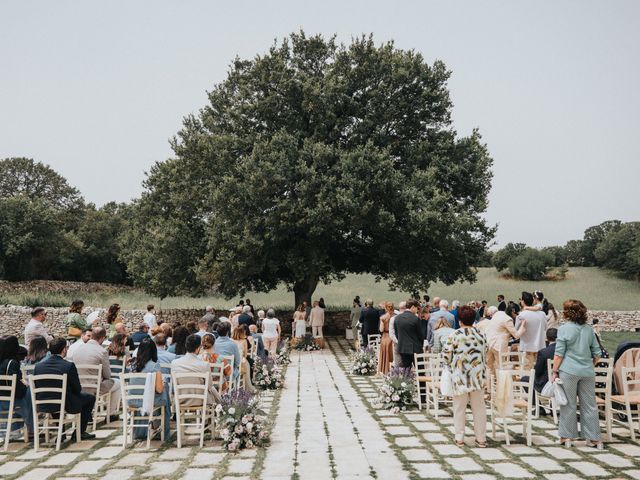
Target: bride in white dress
[{"x": 299, "y": 323}]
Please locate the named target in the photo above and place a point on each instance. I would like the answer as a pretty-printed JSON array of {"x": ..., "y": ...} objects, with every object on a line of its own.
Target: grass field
[{"x": 599, "y": 290}]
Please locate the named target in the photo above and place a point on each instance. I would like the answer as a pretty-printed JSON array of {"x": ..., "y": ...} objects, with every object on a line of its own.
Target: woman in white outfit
[
  {"x": 271, "y": 332},
  {"x": 299, "y": 323}
]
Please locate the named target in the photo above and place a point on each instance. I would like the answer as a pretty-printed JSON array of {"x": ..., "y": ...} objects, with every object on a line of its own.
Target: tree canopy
[{"x": 311, "y": 161}]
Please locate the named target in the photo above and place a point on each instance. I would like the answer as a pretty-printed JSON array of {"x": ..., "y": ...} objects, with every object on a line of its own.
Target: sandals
[
  {"x": 460, "y": 443},
  {"x": 567, "y": 442},
  {"x": 596, "y": 445},
  {"x": 481, "y": 444}
]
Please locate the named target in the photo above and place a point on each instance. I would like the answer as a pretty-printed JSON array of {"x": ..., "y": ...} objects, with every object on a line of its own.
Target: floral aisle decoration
[
  {"x": 397, "y": 390},
  {"x": 364, "y": 361},
  {"x": 240, "y": 422},
  {"x": 307, "y": 343},
  {"x": 268, "y": 374},
  {"x": 283, "y": 353}
]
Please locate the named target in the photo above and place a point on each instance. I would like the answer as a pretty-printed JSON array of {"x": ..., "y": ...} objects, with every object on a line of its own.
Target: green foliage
[
  {"x": 311, "y": 161},
  {"x": 593, "y": 236},
  {"x": 503, "y": 256},
  {"x": 574, "y": 253},
  {"x": 558, "y": 253},
  {"x": 531, "y": 264},
  {"x": 44, "y": 300},
  {"x": 620, "y": 250}
]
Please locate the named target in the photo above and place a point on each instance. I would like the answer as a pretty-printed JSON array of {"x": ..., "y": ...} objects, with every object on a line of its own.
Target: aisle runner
[{"x": 323, "y": 429}]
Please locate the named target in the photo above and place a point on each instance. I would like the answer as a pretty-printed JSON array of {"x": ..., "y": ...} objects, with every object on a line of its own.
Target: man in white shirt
[
  {"x": 84, "y": 338},
  {"x": 316, "y": 319},
  {"x": 402, "y": 306},
  {"x": 532, "y": 340},
  {"x": 191, "y": 363},
  {"x": 35, "y": 326},
  {"x": 150, "y": 317}
]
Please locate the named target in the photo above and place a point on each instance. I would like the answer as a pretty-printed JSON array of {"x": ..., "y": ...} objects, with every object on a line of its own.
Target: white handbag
[{"x": 446, "y": 383}]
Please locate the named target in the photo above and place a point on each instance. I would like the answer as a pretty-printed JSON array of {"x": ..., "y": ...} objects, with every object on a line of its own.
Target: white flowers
[
  {"x": 231, "y": 411},
  {"x": 397, "y": 390},
  {"x": 364, "y": 362}
]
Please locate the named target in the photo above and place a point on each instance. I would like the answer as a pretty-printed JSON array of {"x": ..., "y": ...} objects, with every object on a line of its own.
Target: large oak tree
[{"x": 311, "y": 161}]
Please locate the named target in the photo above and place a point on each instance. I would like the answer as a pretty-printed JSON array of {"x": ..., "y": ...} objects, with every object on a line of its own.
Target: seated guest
[
  {"x": 76, "y": 400},
  {"x": 203, "y": 327},
  {"x": 190, "y": 363},
  {"x": 146, "y": 361},
  {"x": 207, "y": 354},
  {"x": 36, "y": 327},
  {"x": 10, "y": 354},
  {"x": 92, "y": 353},
  {"x": 192, "y": 327},
  {"x": 164, "y": 356},
  {"x": 180, "y": 335},
  {"x": 167, "y": 330},
  {"x": 122, "y": 330},
  {"x": 257, "y": 337},
  {"x": 141, "y": 334},
  {"x": 84, "y": 338},
  {"x": 38, "y": 351},
  {"x": 226, "y": 347},
  {"x": 547, "y": 353},
  {"x": 118, "y": 347},
  {"x": 214, "y": 328},
  {"x": 442, "y": 312},
  {"x": 441, "y": 332},
  {"x": 246, "y": 317}
]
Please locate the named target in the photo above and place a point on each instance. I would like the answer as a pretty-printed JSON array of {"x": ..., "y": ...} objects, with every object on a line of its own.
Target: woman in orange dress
[{"x": 385, "y": 356}]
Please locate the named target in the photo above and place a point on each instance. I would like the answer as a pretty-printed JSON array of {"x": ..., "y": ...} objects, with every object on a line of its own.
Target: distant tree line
[
  {"x": 48, "y": 231},
  {"x": 613, "y": 245}
]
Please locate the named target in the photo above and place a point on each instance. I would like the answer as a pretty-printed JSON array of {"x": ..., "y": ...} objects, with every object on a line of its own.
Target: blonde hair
[
  {"x": 442, "y": 322},
  {"x": 238, "y": 334},
  {"x": 388, "y": 307}
]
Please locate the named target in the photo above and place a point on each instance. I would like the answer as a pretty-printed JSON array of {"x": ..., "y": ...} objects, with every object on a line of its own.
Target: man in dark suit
[
  {"x": 410, "y": 333},
  {"x": 76, "y": 400},
  {"x": 370, "y": 320},
  {"x": 502, "y": 305},
  {"x": 542, "y": 373}
]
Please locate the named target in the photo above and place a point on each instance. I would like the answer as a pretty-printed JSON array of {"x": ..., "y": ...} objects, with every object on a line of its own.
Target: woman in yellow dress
[{"x": 385, "y": 356}]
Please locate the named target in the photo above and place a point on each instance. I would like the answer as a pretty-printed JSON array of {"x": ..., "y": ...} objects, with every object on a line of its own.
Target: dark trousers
[
  {"x": 406, "y": 360},
  {"x": 85, "y": 410}
]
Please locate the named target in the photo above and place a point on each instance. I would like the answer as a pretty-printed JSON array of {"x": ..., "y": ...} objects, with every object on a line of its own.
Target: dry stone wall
[{"x": 14, "y": 318}]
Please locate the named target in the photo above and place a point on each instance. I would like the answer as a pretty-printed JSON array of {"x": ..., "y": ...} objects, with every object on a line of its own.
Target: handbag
[
  {"x": 446, "y": 383},
  {"x": 74, "y": 332},
  {"x": 558, "y": 393}
]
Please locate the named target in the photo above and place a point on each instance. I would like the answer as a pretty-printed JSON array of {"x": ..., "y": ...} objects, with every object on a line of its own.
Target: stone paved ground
[{"x": 326, "y": 425}]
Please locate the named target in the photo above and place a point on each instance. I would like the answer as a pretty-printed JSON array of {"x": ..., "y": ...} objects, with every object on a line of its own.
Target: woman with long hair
[
  {"x": 113, "y": 317},
  {"x": 299, "y": 322},
  {"x": 240, "y": 338},
  {"x": 10, "y": 356},
  {"x": 146, "y": 361},
  {"x": 553, "y": 317},
  {"x": 38, "y": 350},
  {"x": 386, "y": 344},
  {"x": 178, "y": 343},
  {"x": 207, "y": 354},
  {"x": 75, "y": 322}
]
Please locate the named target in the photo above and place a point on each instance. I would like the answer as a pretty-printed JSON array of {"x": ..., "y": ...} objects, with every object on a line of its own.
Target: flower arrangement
[
  {"x": 242, "y": 424},
  {"x": 397, "y": 390},
  {"x": 307, "y": 343},
  {"x": 364, "y": 361},
  {"x": 283, "y": 353},
  {"x": 268, "y": 375}
]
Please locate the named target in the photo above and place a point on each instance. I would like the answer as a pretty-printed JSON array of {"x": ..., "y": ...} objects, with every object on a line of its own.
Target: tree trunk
[{"x": 303, "y": 289}]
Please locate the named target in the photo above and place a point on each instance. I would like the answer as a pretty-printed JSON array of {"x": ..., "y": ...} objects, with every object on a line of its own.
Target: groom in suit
[{"x": 410, "y": 333}]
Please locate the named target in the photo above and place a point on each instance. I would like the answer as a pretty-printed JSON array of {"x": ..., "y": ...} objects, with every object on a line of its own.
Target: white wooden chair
[
  {"x": 46, "y": 422},
  {"x": 132, "y": 385},
  {"x": 8, "y": 385},
  {"x": 630, "y": 398},
  {"x": 523, "y": 407},
  {"x": 217, "y": 375},
  {"x": 117, "y": 365},
  {"x": 254, "y": 349},
  {"x": 27, "y": 370},
  {"x": 548, "y": 403},
  {"x": 191, "y": 391},
  {"x": 436, "y": 398},
  {"x": 511, "y": 361},
  {"x": 604, "y": 381},
  {"x": 374, "y": 342},
  {"x": 233, "y": 382},
  {"x": 90, "y": 379},
  {"x": 166, "y": 376},
  {"x": 423, "y": 378}
]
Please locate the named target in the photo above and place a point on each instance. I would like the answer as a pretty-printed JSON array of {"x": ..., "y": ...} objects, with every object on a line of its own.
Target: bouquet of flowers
[
  {"x": 242, "y": 424},
  {"x": 268, "y": 375},
  {"x": 364, "y": 362},
  {"x": 307, "y": 343},
  {"x": 283, "y": 353},
  {"x": 397, "y": 390}
]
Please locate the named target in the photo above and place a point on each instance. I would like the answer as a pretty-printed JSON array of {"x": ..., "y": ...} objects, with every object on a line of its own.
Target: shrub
[
  {"x": 503, "y": 256},
  {"x": 531, "y": 264},
  {"x": 43, "y": 300}
]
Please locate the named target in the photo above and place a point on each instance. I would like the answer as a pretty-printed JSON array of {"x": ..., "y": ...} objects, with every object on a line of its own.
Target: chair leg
[
  {"x": 124, "y": 428},
  {"x": 78, "y": 428},
  {"x": 179, "y": 427},
  {"x": 608, "y": 415},
  {"x": 506, "y": 431},
  {"x": 60, "y": 430},
  {"x": 7, "y": 433},
  {"x": 630, "y": 422},
  {"x": 162, "y": 414},
  {"x": 554, "y": 412}
]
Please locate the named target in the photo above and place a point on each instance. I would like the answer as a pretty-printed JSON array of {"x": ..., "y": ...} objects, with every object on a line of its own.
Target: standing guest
[
  {"x": 203, "y": 327},
  {"x": 553, "y": 318},
  {"x": 74, "y": 322},
  {"x": 35, "y": 326},
  {"x": 180, "y": 335},
  {"x": 443, "y": 311},
  {"x": 10, "y": 354},
  {"x": 576, "y": 353},
  {"x": 164, "y": 356},
  {"x": 113, "y": 317},
  {"x": 240, "y": 339},
  {"x": 532, "y": 339},
  {"x": 38, "y": 351},
  {"x": 425, "y": 315},
  {"x": 227, "y": 348},
  {"x": 425, "y": 301},
  {"x": 250, "y": 342},
  {"x": 247, "y": 303},
  {"x": 299, "y": 326},
  {"x": 370, "y": 321},
  {"x": 455, "y": 305},
  {"x": 191, "y": 363},
  {"x": 385, "y": 356},
  {"x": 441, "y": 333},
  {"x": 436, "y": 305},
  {"x": 258, "y": 338},
  {"x": 502, "y": 305},
  {"x": 547, "y": 353},
  {"x": 499, "y": 331},
  {"x": 271, "y": 332},
  {"x": 84, "y": 338},
  {"x": 150, "y": 317},
  {"x": 316, "y": 319},
  {"x": 402, "y": 307},
  {"x": 321, "y": 303},
  {"x": 141, "y": 334},
  {"x": 260, "y": 318},
  {"x": 307, "y": 309},
  {"x": 482, "y": 310},
  {"x": 246, "y": 318},
  {"x": 209, "y": 316},
  {"x": 354, "y": 316},
  {"x": 235, "y": 313},
  {"x": 146, "y": 361},
  {"x": 410, "y": 333},
  {"x": 92, "y": 353},
  {"x": 76, "y": 401},
  {"x": 464, "y": 355}
]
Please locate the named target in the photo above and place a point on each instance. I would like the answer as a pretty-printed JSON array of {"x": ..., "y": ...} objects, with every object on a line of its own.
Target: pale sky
[{"x": 96, "y": 89}]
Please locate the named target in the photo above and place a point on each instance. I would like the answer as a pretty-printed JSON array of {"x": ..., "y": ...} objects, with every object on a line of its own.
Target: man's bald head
[
  {"x": 120, "y": 328},
  {"x": 98, "y": 334}
]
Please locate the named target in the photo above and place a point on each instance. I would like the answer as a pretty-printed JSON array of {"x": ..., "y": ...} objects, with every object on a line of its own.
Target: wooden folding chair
[
  {"x": 117, "y": 365},
  {"x": 423, "y": 378},
  {"x": 8, "y": 385},
  {"x": 548, "y": 403},
  {"x": 523, "y": 407},
  {"x": 90, "y": 379},
  {"x": 629, "y": 398},
  {"x": 132, "y": 385},
  {"x": 233, "y": 382},
  {"x": 604, "y": 381},
  {"x": 511, "y": 361},
  {"x": 191, "y": 391},
  {"x": 46, "y": 422}
]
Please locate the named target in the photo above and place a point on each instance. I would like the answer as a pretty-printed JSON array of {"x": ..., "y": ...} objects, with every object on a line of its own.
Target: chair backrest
[
  {"x": 217, "y": 375},
  {"x": 132, "y": 385},
  {"x": 604, "y": 377},
  {"x": 373, "y": 341},
  {"x": 117, "y": 365},
  {"x": 90, "y": 377},
  {"x": 422, "y": 364},
  {"x": 48, "y": 389},
  {"x": 523, "y": 390},
  {"x": 511, "y": 361},
  {"x": 8, "y": 390},
  {"x": 630, "y": 380},
  {"x": 27, "y": 370},
  {"x": 436, "y": 365},
  {"x": 190, "y": 388},
  {"x": 230, "y": 359},
  {"x": 254, "y": 349}
]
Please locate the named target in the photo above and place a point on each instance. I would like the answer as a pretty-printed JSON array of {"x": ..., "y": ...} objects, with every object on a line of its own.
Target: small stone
[
  {"x": 561, "y": 453},
  {"x": 207, "y": 459},
  {"x": 399, "y": 431},
  {"x": 199, "y": 474},
  {"x": 407, "y": 442},
  {"x": 9, "y": 468},
  {"x": 542, "y": 464},
  {"x": 435, "y": 437},
  {"x": 613, "y": 460},
  {"x": 134, "y": 459},
  {"x": 489, "y": 453}
]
